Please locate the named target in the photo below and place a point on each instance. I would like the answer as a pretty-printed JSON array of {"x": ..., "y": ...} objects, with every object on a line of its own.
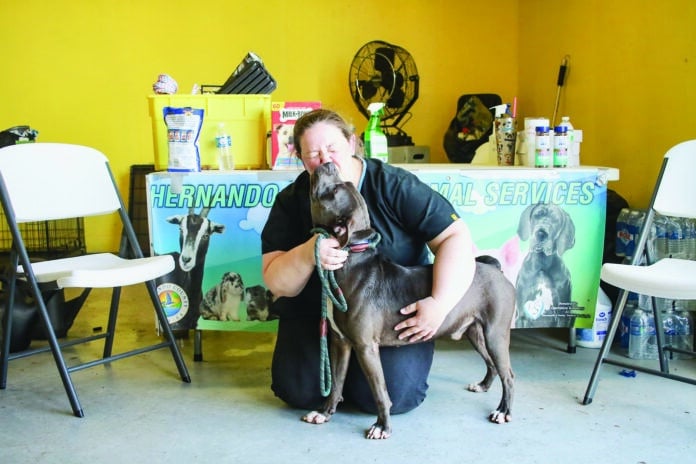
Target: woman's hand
[
  {"x": 427, "y": 318},
  {"x": 331, "y": 256}
]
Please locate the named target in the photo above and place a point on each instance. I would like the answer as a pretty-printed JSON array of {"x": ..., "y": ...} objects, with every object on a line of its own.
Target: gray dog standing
[{"x": 375, "y": 289}]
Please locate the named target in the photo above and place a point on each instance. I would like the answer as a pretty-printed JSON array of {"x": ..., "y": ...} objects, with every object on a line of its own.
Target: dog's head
[
  {"x": 548, "y": 228},
  {"x": 337, "y": 206},
  {"x": 284, "y": 137}
]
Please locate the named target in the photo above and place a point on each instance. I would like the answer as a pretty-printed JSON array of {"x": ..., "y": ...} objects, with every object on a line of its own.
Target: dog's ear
[
  {"x": 525, "y": 225},
  {"x": 359, "y": 222},
  {"x": 566, "y": 234}
]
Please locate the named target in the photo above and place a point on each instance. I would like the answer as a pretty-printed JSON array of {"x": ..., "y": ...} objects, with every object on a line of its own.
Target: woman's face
[{"x": 323, "y": 143}]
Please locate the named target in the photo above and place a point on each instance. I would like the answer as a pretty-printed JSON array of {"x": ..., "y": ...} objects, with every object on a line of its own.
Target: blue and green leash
[{"x": 330, "y": 289}]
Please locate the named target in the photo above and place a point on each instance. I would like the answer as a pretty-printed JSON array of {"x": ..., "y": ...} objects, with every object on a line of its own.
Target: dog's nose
[{"x": 541, "y": 235}]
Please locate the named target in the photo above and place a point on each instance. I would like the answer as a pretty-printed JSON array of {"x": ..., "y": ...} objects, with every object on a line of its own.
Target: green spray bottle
[{"x": 375, "y": 140}]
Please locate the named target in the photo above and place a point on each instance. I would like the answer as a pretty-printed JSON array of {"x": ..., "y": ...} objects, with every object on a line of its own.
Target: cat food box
[{"x": 283, "y": 117}]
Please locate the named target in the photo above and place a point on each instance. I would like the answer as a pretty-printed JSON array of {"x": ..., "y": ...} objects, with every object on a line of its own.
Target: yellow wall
[
  {"x": 632, "y": 80},
  {"x": 80, "y": 71}
]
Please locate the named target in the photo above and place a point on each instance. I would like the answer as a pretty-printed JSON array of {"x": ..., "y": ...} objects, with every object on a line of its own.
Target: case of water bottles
[{"x": 668, "y": 237}]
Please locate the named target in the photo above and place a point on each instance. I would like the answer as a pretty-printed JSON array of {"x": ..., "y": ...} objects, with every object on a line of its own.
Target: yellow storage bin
[{"x": 247, "y": 119}]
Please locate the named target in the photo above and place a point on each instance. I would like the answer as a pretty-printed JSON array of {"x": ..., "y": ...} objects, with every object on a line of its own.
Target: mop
[{"x": 561, "y": 78}]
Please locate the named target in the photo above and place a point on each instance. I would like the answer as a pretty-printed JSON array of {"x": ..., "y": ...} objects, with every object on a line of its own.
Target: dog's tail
[{"x": 487, "y": 259}]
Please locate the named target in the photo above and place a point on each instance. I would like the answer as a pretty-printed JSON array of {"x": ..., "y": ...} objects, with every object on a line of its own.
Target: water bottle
[
  {"x": 685, "y": 333},
  {"x": 622, "y": 232},
  {"x": 689, "y": 230},
  {"x": 623, "y": 332},
  {"x": 660, "y": 237},
  {"x": 635, "y": 222},
  {"x": 651, "y": 345},
  {"x": 675, "y": 238},
  {"x": 638, "y": 335},
  {"x": 223, "y": 142},
  {"x": 645, "y": 302},
  {"x": 573, "y": 150},
  {"x": 669, "y": 326}
]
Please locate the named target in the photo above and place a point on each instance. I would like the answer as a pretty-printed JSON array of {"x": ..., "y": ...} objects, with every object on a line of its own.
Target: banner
[{"x": 544, "y": 226}]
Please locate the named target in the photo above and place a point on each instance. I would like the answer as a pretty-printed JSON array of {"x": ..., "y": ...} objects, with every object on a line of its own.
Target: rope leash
[
  {"x": 330, "y": 289},
  {"x": 328, "y": 286}
]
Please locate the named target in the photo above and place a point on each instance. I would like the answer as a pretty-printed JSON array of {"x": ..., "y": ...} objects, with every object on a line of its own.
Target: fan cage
[{"x": 382, "y": 72}]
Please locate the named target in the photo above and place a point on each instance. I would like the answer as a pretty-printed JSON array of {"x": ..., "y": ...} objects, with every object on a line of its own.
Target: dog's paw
[
  {"x": 498, "y": 417},
  {"x": 477, "y": 387},
  {"x": 378, "y": 432},
  {"x": 316, "y": 417}
]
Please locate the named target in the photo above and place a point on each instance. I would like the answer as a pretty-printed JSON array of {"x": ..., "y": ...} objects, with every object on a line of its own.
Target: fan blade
[
  {"x": 396, "y": 100},
  {"x": 384, "y": 59},
  {"x": 367, "y": 89},
  {"x": 384, "y": 63}
]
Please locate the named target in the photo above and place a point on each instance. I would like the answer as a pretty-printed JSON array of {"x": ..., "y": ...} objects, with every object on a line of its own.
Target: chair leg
[
  {"x": 606, "y": 346},
  {"x": 58, "y": 355},
  {"x": 168, "y": 334},
  {"x": 50, "y": 335},
  {"x": 7, "y": 330},
  {"x": 111, "y": 324},
  {"x": 660, "y": 336}
]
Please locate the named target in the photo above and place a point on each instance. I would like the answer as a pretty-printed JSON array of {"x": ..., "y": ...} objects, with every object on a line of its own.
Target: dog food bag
[{"x": 183, "y": 129}]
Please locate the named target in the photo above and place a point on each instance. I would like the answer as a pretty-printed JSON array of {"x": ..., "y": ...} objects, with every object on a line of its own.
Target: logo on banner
[{"x": 174, "y": 301}]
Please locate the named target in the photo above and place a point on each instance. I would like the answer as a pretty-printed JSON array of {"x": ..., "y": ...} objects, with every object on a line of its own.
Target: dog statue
[
  {"x": 484, "y": 314},
  {"x": 543, "y": 282}
]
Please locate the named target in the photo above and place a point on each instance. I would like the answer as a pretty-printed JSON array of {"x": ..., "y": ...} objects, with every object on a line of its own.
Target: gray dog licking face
[{"x": 484, "y": 314}]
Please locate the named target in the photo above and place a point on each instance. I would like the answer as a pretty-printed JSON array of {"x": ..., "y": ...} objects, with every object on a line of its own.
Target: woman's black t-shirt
[{"x": 405, "y": 211}]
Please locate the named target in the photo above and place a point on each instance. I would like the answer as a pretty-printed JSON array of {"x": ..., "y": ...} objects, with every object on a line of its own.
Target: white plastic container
[{"x": 594, "y": 337}]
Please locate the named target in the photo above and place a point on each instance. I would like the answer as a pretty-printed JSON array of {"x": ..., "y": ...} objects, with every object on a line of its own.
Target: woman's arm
[
  {"x": 453, "y": 272},
  {"x": 286, "y": 272}
]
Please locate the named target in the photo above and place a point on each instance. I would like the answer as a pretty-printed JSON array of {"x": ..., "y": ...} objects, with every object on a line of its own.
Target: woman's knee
[{"x": 406, "y": 372}]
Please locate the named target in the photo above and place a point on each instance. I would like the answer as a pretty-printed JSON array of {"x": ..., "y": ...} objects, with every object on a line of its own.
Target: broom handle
[{"x": 560, "y": 81}]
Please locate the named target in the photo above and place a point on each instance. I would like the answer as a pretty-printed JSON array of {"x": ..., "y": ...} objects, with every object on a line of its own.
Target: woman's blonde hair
[{"x": 307, "y": 120}]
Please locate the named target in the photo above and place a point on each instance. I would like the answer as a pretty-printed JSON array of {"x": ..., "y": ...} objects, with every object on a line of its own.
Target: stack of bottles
[{"x": 669, "y": 237}]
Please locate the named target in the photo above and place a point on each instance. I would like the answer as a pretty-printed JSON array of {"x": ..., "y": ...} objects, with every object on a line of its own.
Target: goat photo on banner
[{"x": 213, "y": 232}]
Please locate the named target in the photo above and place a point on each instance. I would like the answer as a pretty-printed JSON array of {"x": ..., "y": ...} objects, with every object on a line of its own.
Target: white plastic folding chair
[
  {"x": 674, "y": 278},
  {"x": 49, "y": 181}
]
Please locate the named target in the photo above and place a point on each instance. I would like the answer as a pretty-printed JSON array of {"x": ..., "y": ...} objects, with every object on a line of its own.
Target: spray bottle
[{"x": 375, "y": 140}]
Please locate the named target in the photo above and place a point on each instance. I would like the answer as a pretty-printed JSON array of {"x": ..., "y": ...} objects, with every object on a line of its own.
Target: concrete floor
[{"x": 138, "y": 411}]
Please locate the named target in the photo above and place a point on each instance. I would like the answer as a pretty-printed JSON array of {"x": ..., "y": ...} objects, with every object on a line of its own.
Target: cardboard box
[
  {"x": 247, "y": 119},
  {"x": 283, "y": 118}
]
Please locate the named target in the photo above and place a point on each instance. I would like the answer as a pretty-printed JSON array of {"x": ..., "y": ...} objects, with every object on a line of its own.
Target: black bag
[
  {"x": 26, "y": 322},
  {"x": 17, "y": 134},
  {"x": 471, "y": 126},
  {"x": 615, "y": 203}
]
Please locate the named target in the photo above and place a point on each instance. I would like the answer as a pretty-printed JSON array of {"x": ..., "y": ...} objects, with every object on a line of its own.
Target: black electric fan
[{"x": 382, "y": 72}]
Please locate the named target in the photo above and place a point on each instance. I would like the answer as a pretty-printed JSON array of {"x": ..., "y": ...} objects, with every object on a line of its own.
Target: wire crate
[
  {"x": 59, "y": 238},
  {"x": 137, "y": 204}
]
